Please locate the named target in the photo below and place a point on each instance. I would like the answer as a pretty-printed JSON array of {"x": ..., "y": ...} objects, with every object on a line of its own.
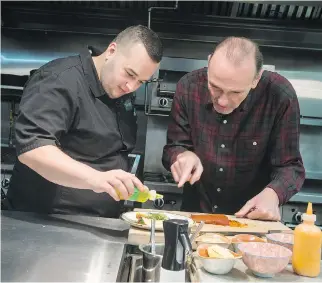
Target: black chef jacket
[{"x": 64, "y": 104}]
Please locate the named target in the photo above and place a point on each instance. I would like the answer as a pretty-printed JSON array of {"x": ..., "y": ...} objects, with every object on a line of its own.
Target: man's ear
[
  {"x": 257, "y": 78},
  {"x": 209, "y": 57},
  {"x": 111, "y": 49}
]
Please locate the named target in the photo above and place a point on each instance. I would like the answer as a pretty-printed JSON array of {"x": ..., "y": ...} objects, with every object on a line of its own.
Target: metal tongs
[
  {"x": 195, "y": 234},
  {"x": 191, "y": 267},
  {"x": 152, "y": 236}
]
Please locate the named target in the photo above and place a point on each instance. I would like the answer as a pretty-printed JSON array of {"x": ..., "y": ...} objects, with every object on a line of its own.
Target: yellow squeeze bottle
[
  {"x": 144, "y": 196},
  {"x": 306, "y": 259}
]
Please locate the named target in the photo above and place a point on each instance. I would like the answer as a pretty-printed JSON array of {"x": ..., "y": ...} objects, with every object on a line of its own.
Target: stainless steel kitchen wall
[{"x": 33, "y": 33}]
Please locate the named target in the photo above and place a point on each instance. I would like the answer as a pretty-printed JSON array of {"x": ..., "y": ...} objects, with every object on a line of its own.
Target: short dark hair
[
  {"x": 146, "y": 36},
  {"x": 237, "y": 48}
]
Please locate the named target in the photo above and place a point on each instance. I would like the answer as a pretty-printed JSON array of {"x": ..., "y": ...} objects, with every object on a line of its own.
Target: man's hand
[
  {"x": 115, "y": 180},
  {"x": 187, "y": 167},
  {"x": 263, "y": 206}
]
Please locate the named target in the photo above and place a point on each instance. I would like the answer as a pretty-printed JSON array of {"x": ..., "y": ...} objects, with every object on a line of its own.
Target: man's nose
[
  {"x": 223, "y": 100},
  {"x": 131, "y": 86}
]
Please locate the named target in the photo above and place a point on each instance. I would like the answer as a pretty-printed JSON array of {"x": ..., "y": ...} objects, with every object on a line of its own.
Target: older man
[
  {"x": 234, "y": 135},
  {"x": 76, "y": 128}
]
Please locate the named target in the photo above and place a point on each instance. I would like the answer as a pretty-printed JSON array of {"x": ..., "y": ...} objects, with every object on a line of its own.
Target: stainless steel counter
[{"x": 61, "y": 248}]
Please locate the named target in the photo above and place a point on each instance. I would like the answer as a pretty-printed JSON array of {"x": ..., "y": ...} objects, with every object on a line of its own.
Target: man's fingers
[
  {"x": 245, "y": 209},
  {"x": 175, "y": 174},
  {"x": 111, "y": 191},
  {"x": 263, "y": 214},
  {"x": 178, "y": 169},
  {"x": 137, "y": 183},
  {"x": 128, "y": 183},
  {"x": 277, "y": 216},
  {"x": 119, "y": 186},
  {"x": 258, "y": 214},
  {"x": 196, "y": 174},
  {"x": 185, "y": 174}
]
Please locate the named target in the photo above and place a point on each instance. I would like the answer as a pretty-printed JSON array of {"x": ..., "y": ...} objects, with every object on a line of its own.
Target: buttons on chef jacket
[
  {"x": 222, "y": 146},
  {"x": 225, "y": 121},
  {"x": 221, "y": 169},
  {"x": 215, "y": 207},
  {"x": 218, "y": 190},
  {"x": 254, "y": 143}
]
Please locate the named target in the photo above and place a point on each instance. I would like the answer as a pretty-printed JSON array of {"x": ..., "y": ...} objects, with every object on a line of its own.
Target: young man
[
  {"x": 234, "y": 128},
  {"x": 76, "y": 128}
]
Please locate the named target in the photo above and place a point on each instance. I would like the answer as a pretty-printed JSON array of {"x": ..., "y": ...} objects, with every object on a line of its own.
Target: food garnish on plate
[{"x": 143, "y": 217}]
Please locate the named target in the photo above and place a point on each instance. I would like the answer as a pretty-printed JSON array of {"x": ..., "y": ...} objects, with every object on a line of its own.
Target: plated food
[
  {"x": 217, "y": 219},
  {"x": 143, "y": 219},
  {"x": 216, "y": 259},
  {"x": 213, "y": 238}
]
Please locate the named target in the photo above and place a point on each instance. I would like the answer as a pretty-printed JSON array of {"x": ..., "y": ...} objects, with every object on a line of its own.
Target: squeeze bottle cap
[
  {"x": 153, "y": 195},
  {"x": 309, "y": 216}
]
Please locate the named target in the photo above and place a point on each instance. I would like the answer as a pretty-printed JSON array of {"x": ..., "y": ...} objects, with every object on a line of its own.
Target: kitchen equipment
[
  {"x": 176, "y": 244},
  {"x": 177, "y": 256},
  {"x": 264, "y": 259},
  {"x": 139, "y": 196},
  {"x": 307, "y": 246},
  {"x": 152, "y": 239},
  {"x": 151, "y": 262},
  {"x": 195, "y": 234}
]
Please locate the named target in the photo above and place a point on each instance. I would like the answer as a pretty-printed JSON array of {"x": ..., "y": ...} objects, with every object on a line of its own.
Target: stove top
[
  {"x": 163, "y": 183},
  {"x": 158, "y": 177}
]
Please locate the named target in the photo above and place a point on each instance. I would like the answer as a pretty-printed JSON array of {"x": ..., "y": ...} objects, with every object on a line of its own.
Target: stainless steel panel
[
  {"x": 155, "y": 140},
  {"x": 292, "y": 213},
  {"x": 311, "y": 151},
  {"x": 61, "y": 248},
  {"x": 171, "y": 202}
]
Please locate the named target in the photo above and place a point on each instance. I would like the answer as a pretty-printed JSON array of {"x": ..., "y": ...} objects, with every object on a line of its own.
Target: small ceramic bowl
[
  {"x": 217, "y": 266},
  {"x": 283, "y": 239},
  {"x": 244, "y": 238},
  {"x": 264, "y": 259},
  {"x": 213, "y": 238}
]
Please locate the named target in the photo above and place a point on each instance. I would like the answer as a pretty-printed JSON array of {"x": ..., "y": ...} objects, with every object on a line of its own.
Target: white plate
[{"x": 130, "y": 217}]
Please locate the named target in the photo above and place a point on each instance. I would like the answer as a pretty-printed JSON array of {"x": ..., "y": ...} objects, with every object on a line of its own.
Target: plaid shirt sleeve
[
  {"x": 179, "y": 131},
  {"x": 288, "y": 172}
]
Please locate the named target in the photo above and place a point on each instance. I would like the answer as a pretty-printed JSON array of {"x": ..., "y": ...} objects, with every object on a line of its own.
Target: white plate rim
[{"x": 145, "y": 227}]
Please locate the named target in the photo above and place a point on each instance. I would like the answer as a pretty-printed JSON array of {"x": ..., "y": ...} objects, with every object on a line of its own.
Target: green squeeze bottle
[{"x": 142, "y": 197}]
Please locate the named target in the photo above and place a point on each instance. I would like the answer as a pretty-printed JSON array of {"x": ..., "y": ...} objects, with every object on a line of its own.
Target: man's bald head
[
  {"x": 239, "y": 50},
  {"x": 234, "y": 69}
]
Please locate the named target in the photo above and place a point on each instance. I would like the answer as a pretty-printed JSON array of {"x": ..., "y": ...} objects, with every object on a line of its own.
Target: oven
[{"x": 310, "y": 100}]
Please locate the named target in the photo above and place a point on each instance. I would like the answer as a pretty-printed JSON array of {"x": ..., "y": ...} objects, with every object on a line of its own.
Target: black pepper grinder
[{"x": 176, "y": 244}]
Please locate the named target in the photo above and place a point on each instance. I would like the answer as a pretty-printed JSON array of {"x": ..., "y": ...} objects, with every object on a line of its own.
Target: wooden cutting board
[{"x": 140, "y": 236}]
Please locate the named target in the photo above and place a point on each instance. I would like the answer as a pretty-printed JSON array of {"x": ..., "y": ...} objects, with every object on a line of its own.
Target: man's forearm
[
  {"x": 56, "y": 166},
  {"x": 287, "y": 181}
]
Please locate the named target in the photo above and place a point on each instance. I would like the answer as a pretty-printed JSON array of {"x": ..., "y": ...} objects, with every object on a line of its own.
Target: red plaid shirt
[{"x": 254, "y": 147}]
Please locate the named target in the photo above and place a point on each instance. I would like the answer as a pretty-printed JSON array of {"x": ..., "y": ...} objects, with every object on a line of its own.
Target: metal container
[{"x": 151, "y": 262}]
